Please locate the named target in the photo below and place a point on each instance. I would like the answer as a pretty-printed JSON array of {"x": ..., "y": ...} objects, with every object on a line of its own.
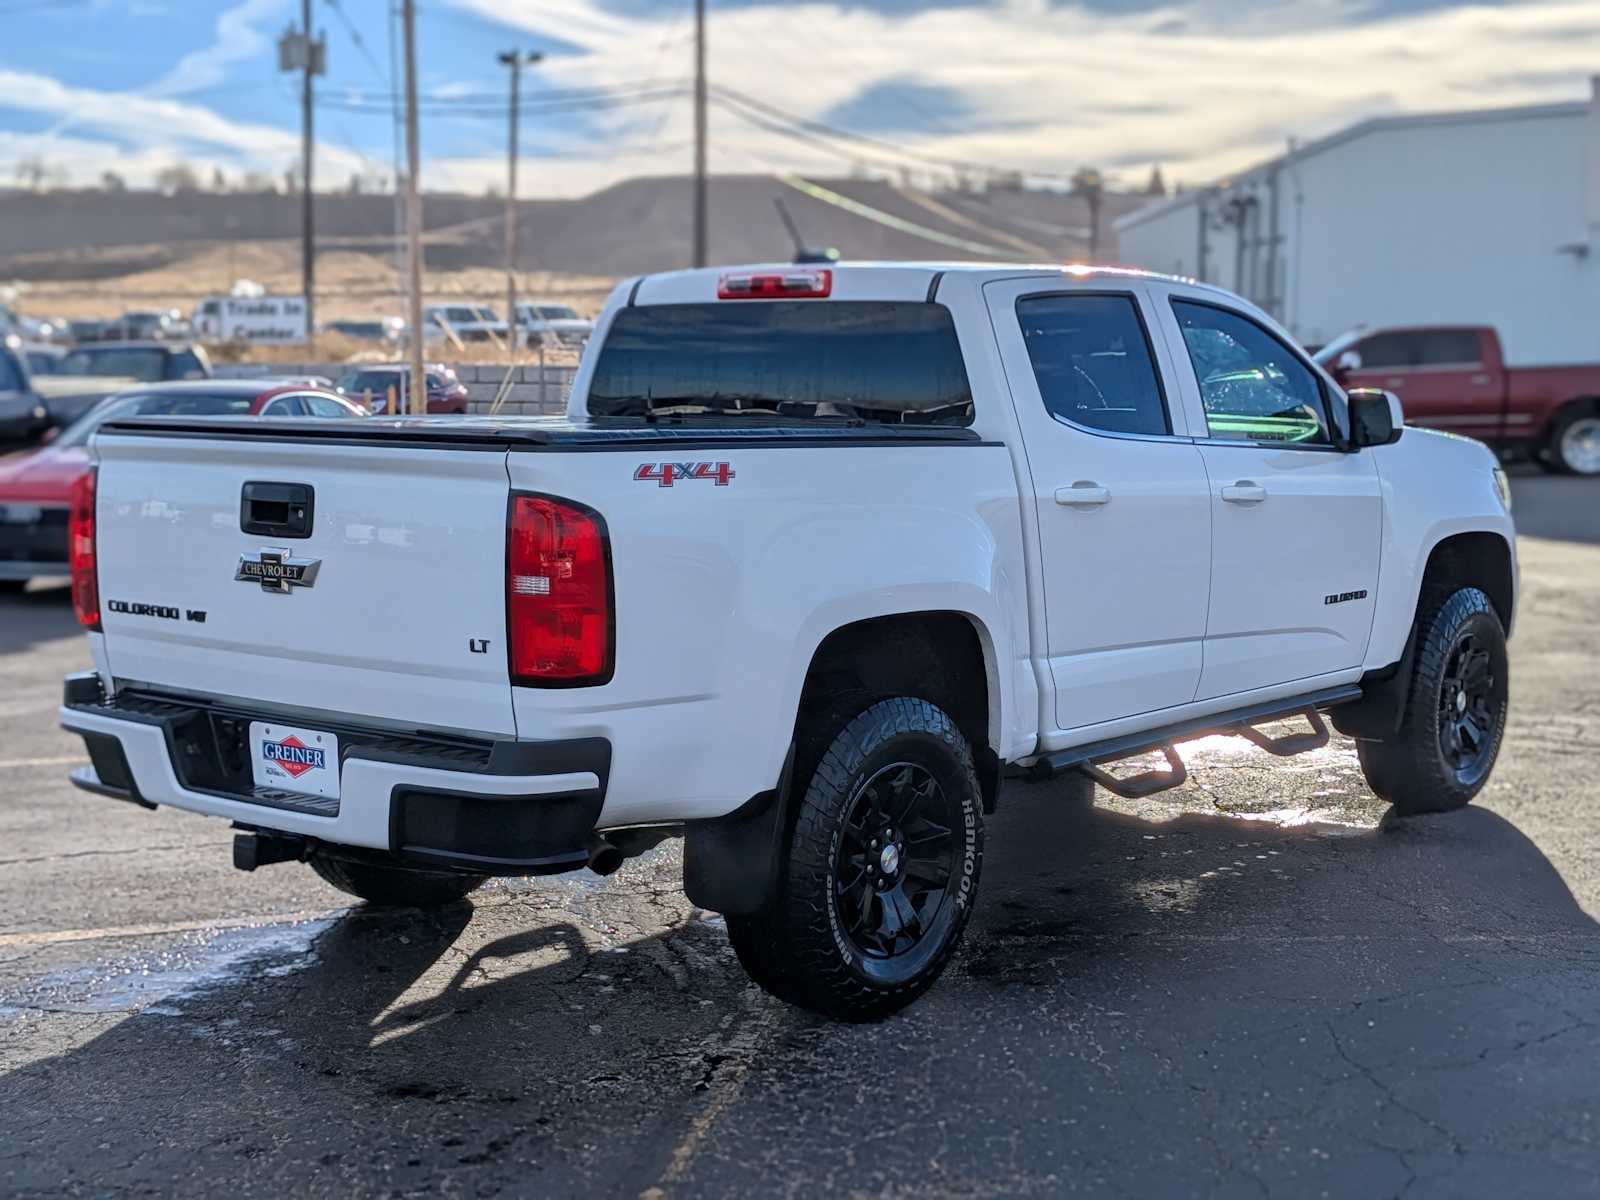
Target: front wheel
[
  {"x": 880, "y": 870},
  {"x": 1454, "y": 720}
]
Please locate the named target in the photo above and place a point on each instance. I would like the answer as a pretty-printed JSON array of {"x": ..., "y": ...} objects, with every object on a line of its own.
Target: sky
[{"x": 1200, "y": 87}]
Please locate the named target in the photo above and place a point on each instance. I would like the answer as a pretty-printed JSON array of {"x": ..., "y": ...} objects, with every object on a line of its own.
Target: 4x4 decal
[{"x": 666, "y": 474}]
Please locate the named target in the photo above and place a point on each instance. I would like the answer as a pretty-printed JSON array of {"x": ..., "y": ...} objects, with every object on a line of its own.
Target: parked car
[
  {"x": 23, "y": 413},
  {"x": 466, "y": 323},
  {"x": 88, "y": 374},
  {"x": 374, "y": 385},
  {"x": 803, "y": 578},
  {"x": 166, "y": 324},
  {"x": 87, "y": 330},
  {"x": 43, "y": 358},
  {"x": 36, "y": 486},
  {"x": 387, "y": 331},
  {"x": 554, "y": 325},
  {"x": 1455, "y": 377}
]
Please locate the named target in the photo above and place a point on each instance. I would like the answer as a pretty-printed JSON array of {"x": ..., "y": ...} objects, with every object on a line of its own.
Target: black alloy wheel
[{"x": 896, "y": 860}]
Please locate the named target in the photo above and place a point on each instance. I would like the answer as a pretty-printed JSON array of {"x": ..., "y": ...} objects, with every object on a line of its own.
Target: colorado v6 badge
[{"x": 277, "y": 571}]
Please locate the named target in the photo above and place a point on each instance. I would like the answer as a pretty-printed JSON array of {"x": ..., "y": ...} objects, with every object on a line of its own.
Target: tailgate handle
[{"x": 278, "y": 510}]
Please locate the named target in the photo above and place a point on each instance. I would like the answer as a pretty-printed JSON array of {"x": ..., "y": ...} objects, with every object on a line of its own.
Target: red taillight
[
  {"x": 776, "y": 285},
  {"x": 80, "y": 551},
  {"x": 559, "y": 626}
]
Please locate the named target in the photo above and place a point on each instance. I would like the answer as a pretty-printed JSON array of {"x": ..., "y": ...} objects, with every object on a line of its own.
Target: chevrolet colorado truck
[
  {"x": 816, "y": 559},
  {"x": 1456, "y": 378}
]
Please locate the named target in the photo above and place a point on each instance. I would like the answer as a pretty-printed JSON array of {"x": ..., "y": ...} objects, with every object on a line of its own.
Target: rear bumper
[{"x": 495, "y": 807}]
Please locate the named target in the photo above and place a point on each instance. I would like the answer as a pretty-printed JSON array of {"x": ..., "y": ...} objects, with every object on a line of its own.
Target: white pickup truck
[{"x": 816, "y": 558}]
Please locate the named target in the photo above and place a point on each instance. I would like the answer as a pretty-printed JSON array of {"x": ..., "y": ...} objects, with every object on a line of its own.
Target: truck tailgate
[{"x": 402, "y": 616}]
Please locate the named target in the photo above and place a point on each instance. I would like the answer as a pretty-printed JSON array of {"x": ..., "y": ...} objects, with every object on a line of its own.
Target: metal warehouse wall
[{"x": 1471, "y": 220}]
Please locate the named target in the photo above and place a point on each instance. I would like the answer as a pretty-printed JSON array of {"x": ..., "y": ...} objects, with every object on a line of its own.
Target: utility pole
[
  {"x": 700, "y": 133},
  {"x": 299, "y": 51},
  {"x": 308, "y": 251},
  {"x": 513, "y": 59},
  {"x": 419, "y": 376}
]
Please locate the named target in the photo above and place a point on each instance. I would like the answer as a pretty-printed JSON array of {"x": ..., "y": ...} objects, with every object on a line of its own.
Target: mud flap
[{"x": 731, "y": 863}]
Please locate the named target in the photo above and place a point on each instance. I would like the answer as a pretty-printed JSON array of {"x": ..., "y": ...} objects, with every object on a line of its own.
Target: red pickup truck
[{"x": 1454, "y": 377}]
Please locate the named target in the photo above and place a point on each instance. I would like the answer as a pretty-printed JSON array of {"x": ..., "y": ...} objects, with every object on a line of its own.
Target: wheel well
[
  {"x": 1481, "y": 560},
  {"x": 934, "y": 656}
]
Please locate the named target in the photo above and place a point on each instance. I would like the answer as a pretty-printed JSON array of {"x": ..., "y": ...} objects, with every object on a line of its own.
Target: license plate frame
[{"x": 303, "y": 761}]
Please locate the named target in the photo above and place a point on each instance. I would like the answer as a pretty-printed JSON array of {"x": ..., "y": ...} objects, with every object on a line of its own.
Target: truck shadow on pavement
[
  {"x": 1156, "y": 1005},
  {"x": 41, "y": 614}
]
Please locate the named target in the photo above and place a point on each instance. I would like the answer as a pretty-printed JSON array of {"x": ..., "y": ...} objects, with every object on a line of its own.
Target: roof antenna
[{"x": 802, "y": 252}]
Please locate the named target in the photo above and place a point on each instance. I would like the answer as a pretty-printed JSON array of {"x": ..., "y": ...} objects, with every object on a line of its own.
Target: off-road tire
[
  {"x": 395, "y": 887},
  {"x": 800, "y": 948},
  {"x": 1411, "y": 770}
]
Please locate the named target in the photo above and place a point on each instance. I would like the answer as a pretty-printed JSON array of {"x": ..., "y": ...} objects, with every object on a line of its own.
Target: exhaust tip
[{"x": 604, "y": 858}]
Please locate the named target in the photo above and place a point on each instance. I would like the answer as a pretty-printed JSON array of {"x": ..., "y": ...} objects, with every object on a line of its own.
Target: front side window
[
  {"x": 1253, "y": 387},
  {"x": 10, "y": 377},
  {"x": 1093, "y": 362},
  {"x": 1389, "y": 351},
  {"x": 875, "y": 361}
]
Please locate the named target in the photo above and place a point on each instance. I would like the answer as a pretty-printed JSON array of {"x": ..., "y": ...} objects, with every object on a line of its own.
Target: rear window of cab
[{"x": 881, "y": 362}]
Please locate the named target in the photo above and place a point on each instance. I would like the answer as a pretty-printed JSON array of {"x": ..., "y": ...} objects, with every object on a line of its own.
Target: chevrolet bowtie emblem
[{"x": 278, "y": 571}]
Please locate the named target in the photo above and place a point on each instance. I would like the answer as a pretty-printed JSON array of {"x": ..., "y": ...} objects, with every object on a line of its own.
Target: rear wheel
[
  {"x": 1454, "y": 720},
  {"x": 395, "y": 887},
  {"x": 880, "y": 870},
  {"x": 1575, "y": 444}
]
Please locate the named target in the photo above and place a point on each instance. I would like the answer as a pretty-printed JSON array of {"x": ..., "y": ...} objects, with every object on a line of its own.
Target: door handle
[
  {"x": 1083, "y": 494},
  {"x": 1479, "y": 380},
  {"x": 1391, "y": 384},
  {"x": 1244, "y": 492}
]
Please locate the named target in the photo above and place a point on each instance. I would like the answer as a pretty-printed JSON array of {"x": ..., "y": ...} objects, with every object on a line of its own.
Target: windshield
[
  {"x": 557, "y": 312},
  {"x": 887, "y": 362},
  {"x": 145, "y": 365},
  {"x": 41, "y": 363},
  {"x": 355, "y": 383},
  {"x": 154, "y": 404}
]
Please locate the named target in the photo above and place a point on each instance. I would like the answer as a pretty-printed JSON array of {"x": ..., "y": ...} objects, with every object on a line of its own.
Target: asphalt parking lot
[{"x": 1259, "y": 984}]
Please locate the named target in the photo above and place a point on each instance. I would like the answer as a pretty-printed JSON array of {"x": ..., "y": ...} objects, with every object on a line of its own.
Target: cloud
[
  {"x": 148, "y": 129},
  {"x": 238, "y": 40},
  {"x": 1205, "y": 87}
]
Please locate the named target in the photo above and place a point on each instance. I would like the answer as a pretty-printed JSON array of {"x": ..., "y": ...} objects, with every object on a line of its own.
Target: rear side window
[
  {"x": 1093, "y": 362},
  {"x": 886, "y": 362},
  {"x": 1450, "y": 347}
]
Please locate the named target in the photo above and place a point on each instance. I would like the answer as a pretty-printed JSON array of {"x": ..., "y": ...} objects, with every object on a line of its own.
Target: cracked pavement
[{"x": 1259, "y": 984}]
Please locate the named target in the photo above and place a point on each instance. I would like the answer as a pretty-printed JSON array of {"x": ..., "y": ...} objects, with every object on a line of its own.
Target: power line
[
  {"x": 821, "y": 129},
  {"x": 575, "y": 104},
  {"x": 355, "y": 36}
]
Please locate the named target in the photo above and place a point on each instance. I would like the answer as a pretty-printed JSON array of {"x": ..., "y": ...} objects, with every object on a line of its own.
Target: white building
[{"x": 1489, "y": 217}]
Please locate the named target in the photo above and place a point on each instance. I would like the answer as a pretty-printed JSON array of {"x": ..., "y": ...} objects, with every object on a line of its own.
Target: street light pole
[{"x": 513, "y": 59}]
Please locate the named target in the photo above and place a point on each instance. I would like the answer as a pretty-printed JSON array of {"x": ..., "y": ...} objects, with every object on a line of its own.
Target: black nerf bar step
[{"x": 1089, "y": 757}]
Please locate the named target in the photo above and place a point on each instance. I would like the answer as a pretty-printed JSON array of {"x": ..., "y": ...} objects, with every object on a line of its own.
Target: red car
[{"x": 36, "y": 485}]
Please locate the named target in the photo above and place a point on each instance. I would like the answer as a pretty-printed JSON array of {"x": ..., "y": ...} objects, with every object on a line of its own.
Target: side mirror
[{"x": 1376, "y": 418}]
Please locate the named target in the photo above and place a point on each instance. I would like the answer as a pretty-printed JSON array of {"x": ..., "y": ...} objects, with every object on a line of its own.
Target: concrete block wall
[{"x": 534, "y": 391}]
